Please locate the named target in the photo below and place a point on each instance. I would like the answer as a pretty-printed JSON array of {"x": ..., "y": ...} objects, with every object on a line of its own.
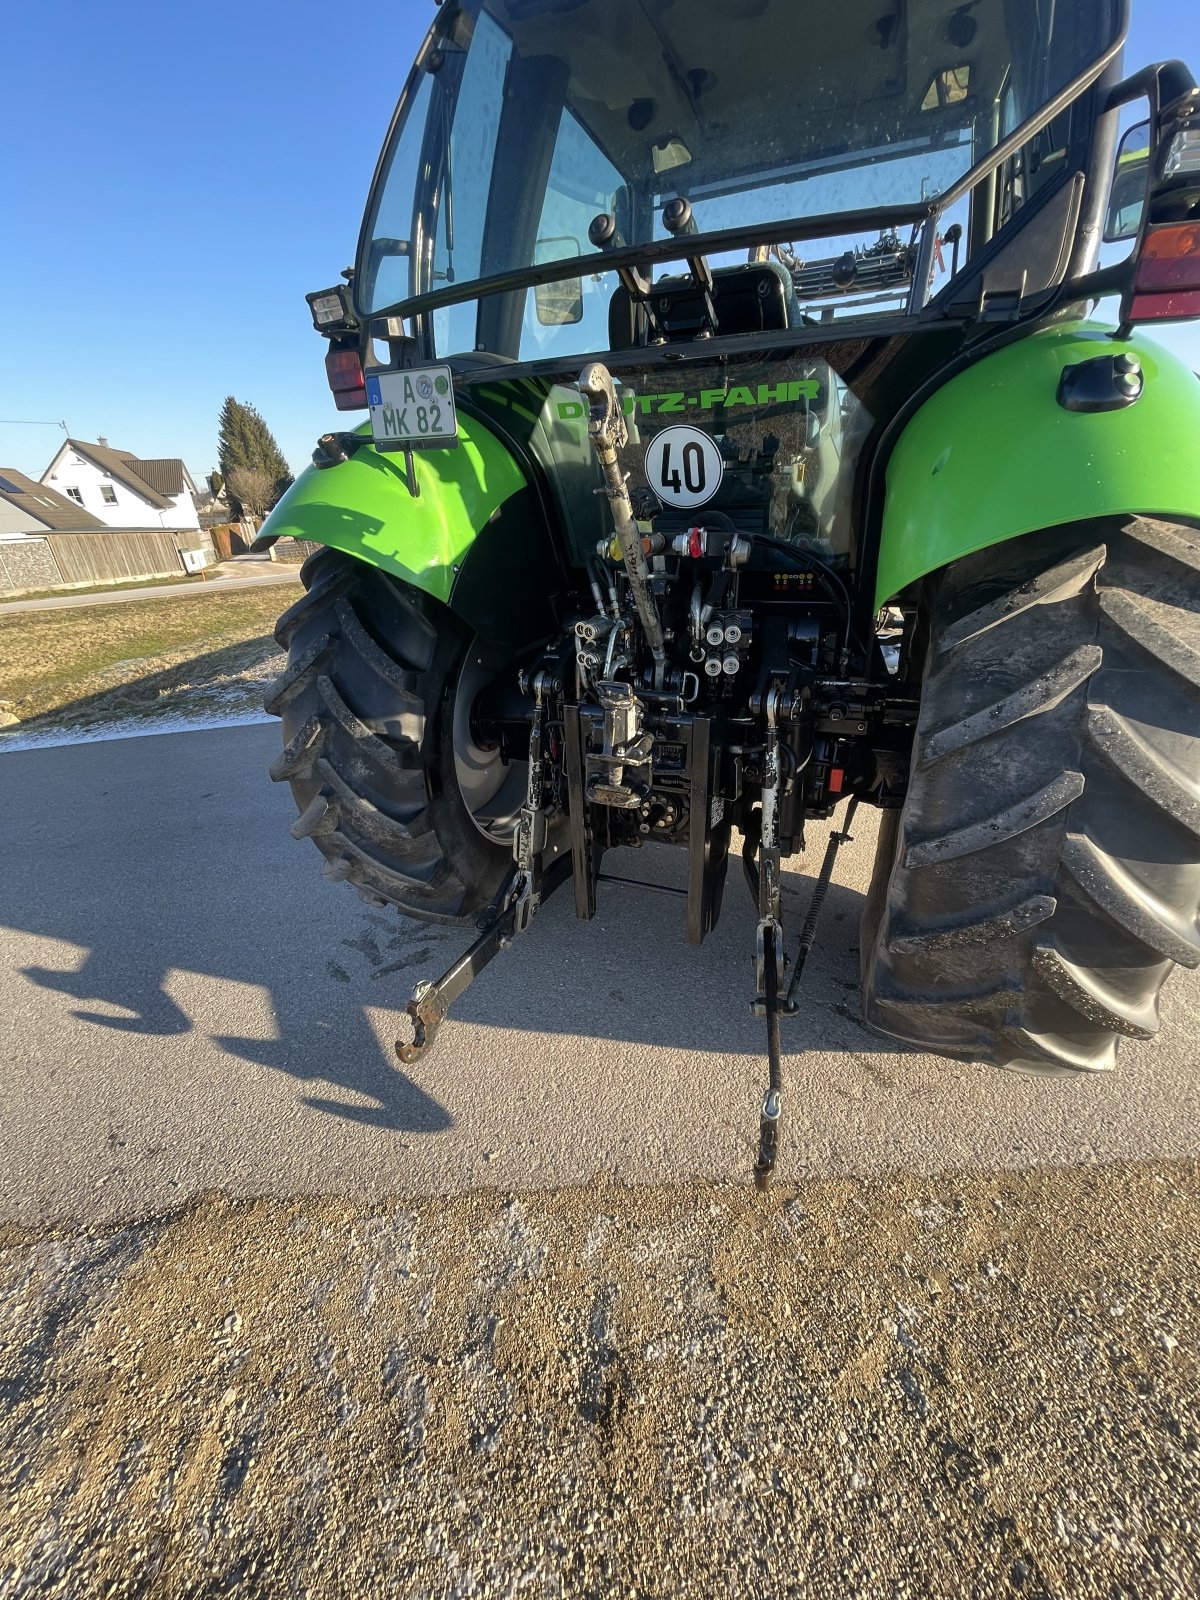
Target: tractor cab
[
  {"x": 748, "y": 216},
  {"x": 553, "y": 163}
]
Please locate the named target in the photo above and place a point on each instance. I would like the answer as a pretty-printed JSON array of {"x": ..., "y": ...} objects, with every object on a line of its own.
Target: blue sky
[{"x": 175, "y": 177}]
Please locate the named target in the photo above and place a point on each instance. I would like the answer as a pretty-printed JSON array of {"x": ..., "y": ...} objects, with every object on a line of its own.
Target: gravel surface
[{"x": 902, "y": 1387}]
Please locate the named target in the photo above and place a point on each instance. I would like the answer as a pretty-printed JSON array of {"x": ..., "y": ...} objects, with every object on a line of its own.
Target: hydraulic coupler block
[{"x": 727, "y": 637}]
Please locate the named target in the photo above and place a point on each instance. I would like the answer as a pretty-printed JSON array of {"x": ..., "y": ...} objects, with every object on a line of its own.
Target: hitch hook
[{"x": 425, "y": 1010}]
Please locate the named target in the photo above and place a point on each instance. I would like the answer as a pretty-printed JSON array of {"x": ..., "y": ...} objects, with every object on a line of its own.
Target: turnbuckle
[
  {"x": 769, "y": 956},
  {"x": 768, "y": 950},
  {"x": 769, "y": 932}
]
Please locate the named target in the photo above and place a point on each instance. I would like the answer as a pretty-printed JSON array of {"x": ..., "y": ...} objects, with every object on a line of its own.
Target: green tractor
[{"x": 740, "y": 447}]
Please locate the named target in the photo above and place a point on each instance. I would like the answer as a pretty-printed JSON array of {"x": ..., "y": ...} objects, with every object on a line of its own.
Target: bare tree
[{"x": 254, "y": 489}]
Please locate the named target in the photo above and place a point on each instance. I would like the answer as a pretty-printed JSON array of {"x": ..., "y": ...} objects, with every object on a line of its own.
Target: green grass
[{"x": 100, "y": 663}]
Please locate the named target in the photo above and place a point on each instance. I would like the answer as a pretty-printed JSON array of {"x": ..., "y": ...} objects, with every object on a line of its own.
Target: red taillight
[
  {"x": 1167, "y": 284},
  {"x": 346, "y": 382}
]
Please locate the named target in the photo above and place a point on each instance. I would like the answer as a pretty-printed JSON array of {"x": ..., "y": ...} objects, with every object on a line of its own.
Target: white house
[{"x": 122, "y": 490}]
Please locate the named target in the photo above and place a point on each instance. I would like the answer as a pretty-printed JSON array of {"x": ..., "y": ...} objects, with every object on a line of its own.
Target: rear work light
[
  {"x": 1167, "y": 282},
  {"x": 327, "y": 311},
  {"x": 343, "y": 366},
  {"x": 331, "y": 310},
  {"x": 1183, "y": 155}
]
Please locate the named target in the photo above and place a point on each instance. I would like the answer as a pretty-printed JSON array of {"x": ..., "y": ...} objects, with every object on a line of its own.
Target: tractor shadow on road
[
  {"x": 629, "y": 977},
  {"x": 342, "y": 1052},
  {"x": 197, "y": 914}
]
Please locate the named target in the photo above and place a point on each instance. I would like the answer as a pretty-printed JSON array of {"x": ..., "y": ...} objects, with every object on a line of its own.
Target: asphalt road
[
  {"x": 239, "y": 573},
  {"x": 187, "y": 1006}
]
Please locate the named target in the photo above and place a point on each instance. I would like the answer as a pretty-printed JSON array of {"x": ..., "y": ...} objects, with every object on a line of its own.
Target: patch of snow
[{"x": 53, "y": 738}]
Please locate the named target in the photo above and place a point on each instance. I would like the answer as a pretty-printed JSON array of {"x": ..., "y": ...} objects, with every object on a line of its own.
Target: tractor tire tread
[
  {"x": 368, "y": 668},
  {"x": 1043, "y": 877}
]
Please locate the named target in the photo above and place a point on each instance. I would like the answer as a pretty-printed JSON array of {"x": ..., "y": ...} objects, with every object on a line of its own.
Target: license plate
[{"x": 412, "y": 408}]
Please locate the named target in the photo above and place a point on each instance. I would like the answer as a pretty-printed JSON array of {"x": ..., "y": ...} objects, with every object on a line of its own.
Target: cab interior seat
[{"x": 756, "y": 298}]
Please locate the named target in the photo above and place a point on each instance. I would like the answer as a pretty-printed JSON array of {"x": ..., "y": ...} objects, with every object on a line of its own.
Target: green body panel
[
  {"x": 992, "y": 455},
  {"x": 364, "y": 506}
]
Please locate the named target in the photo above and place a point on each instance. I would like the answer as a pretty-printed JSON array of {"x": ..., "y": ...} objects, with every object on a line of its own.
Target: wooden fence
[
  {"x": 109, "y": 557},
  {"x": 230, "y": 538}
]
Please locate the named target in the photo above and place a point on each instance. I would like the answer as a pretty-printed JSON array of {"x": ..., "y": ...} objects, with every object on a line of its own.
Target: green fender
[
  {"x": 364, "y": 507},
  {"x": 992, "y": 455}
]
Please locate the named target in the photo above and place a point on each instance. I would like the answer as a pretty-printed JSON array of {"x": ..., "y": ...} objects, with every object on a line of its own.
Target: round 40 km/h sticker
[{"x": 684, "y": 467}]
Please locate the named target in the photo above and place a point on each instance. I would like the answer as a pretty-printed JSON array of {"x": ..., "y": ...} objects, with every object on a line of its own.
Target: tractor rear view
[{"x": 741, "y": 449}]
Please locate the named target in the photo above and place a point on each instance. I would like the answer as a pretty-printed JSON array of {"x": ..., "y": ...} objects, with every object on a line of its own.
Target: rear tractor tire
[
  {"x": 1043, "y": 876},
  {"x": 390, "y": 786}
]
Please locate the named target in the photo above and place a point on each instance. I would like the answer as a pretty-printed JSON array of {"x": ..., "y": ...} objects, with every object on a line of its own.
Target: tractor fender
[
  {"x": 994, "y": 454},
  {"x": 473, "y": 535}
]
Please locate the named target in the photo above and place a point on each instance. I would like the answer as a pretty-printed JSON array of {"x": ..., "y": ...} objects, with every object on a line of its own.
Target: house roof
[
  {"x": 124, "y": 467},
  {"x": 57, "y": 512},
  {"x": 164, "y": 476}
]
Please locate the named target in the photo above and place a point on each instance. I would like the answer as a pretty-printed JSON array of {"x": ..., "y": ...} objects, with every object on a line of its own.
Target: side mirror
[
  {"x": 557, "y": 305},
  {"x": 1127, "y": 199},
  {"x": 1163, "y": 283}
]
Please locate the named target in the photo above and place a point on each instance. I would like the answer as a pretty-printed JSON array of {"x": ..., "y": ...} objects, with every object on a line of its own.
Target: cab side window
[
  {"x": 572, "y": 315},
  {"x": 1033, "y": 165},
  {"x": 466, "y": 181}
]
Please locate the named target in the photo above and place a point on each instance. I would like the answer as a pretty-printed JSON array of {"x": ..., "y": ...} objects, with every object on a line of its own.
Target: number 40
[{"x": 693, "y": 478}]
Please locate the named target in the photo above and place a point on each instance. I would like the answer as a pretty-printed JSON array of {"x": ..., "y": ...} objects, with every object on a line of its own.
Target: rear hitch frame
[
  {"x": 525, "y": 889},
  {"x": 531, "y": 880},
  {"x": 432, "y": 998}
]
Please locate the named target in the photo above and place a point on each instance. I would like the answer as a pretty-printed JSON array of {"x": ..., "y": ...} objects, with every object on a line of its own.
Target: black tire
[
  {"x": 1043, "y": 876},
  {"x": 366, "y": 700}
]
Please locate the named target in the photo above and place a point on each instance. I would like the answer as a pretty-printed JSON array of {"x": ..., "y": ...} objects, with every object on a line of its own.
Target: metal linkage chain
[{"x": 530, "y": 838}]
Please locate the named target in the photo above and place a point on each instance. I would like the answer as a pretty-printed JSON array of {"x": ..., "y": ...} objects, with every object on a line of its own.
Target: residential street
[
  {"x": 185, "y": 994},
  {"x": 241, "y": 572}
]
